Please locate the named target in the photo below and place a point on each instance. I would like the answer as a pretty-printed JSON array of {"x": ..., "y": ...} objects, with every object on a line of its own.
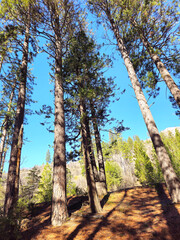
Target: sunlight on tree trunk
[
  {"x": 20, "y": 143},
  {"x": 59, "y": 201},
  {"x": 169, "y": 174}
]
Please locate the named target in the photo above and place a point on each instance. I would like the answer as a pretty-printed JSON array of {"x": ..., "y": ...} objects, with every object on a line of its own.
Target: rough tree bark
[
  {"x": 102, "y": 188},
  {"x": 172, "y": 182},
  {"x": 59, "y": 200},
  {"x": 92, "y": 191},
  {"x": 19, "y": 145},
  {"x": 3, "y": 161},
  {"x": 92, "y": 157},
  {"x": 10, "y": 199}
]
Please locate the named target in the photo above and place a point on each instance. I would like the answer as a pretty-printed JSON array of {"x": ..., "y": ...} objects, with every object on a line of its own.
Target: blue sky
[{"x": 127, "y": 109}]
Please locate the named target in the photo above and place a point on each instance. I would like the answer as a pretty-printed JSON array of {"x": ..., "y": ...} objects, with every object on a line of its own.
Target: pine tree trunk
[
  {"x": 20, "y": 143},
  {"x": 102, "y": 188},
  {"x": 175, "y": 91},
  {"x": 59, "y": 200},
  {"x": 92, "y": 191},
  {"x": 170, "y": 177},
  {"x": 3, "y": 139},
  {"x": 92, "y": 157},
  {"x": 10, "y": 199},
  {"x": 6, "y": 125},
  {"x": 2, "y": 164},
  {"x": 1, "y": 61}
]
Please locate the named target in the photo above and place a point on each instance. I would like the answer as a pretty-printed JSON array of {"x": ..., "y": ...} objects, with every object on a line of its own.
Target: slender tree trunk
[
  {"x": 170, "y": 177},
  {"x": 1, "y": 61},
  {"x": 3, "y": 139},
  {"x": 10, "y": 199},
  {"x": 20, "y": 143},
  {"x": 92, "y": 157},
  {"x": 92, "y": 191},
  {"x": 2, "y": 164},
  {"x": 6, "y": 125},
  {"x": 102, "y": 188},
  {"x": 59, "y": 200},
  {"x": 90, "y": 146},
  {"x": 175, "y": 91}
]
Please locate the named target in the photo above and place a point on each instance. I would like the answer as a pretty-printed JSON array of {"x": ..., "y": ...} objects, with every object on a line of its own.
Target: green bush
[
  {"x": 44, "y": 192},
  {"x": 28, "y": 192},
  {"x": 113, "y": 175},
  {"x": 10, "y": 226},
  {"x": 70, "y": 186},
  {"x": 143, "y": 164},
  {"x": 147, "y": 170},
  {"x": 172, "y": 144}
]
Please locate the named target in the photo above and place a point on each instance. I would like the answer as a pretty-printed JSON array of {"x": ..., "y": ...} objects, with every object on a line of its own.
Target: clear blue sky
[{"x": 127, "y": 109}]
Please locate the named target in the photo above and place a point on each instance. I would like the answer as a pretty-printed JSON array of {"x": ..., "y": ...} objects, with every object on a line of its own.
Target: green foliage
[
  {"x": 48, "y": 156},
  {"x": 70, "y": 187},
  {"x": 157, "y": 172},
  {"x": 83, "y": 170},
  {"x": 147, "y": 168},
  {"x": 28, "y": 192},
  {"x": 143, "y": 164},
  {"x": 113, "y": 175},
  {"x": 118, "y": 145},
  {"x": 1, "y": 191},
  {"x": 10, "y": 226},
  {"x": 44, "y": 193},
  {"x": 83, "y": 69},
  {"x": 172, "y": 144}
]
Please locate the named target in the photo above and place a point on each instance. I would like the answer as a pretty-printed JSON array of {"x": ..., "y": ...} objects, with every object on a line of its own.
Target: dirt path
[{"x": 141, "y": 213}]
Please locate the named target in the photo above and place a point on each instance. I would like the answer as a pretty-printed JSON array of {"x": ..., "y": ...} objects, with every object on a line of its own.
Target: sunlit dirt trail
[{"x": 139, "y": 213}]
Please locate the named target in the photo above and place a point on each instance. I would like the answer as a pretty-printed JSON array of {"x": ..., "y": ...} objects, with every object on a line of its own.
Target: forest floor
[{"x": 138, "y": 213}]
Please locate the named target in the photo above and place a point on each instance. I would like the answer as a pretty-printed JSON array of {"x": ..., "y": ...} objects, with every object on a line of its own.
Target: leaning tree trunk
[
  {"x": 169, "y": 174},
  {"x": 92, "y": 191},
  {"x": 175, "y": 91},
  {"x": 102, "y": 188},
  {"x": 59, "y": 200},
  {"x": 10, "y": 199},
  {"x": 6, "y": 126}
]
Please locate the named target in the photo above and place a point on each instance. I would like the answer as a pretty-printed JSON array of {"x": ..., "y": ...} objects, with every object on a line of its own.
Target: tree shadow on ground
[
  {"x": 105, "y": 218},
  {"x": 138, "y": 213},
  {"x": 74, "y": 204},
  {"x": 170, "y": 212},
  {"x": 105, "y": 199},
  {"x": 89, "y": 218}
]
